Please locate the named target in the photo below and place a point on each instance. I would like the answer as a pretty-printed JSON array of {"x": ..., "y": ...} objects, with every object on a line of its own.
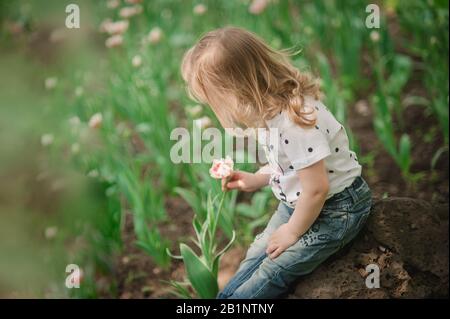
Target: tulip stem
[{"x": 219, "y": 210}]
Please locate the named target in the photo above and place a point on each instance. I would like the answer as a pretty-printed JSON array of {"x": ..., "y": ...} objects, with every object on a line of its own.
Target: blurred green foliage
[{"x": 54, "y": 80}]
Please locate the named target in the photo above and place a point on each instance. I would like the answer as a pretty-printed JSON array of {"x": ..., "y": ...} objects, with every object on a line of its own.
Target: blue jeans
[{"x": 342, "y": 217}]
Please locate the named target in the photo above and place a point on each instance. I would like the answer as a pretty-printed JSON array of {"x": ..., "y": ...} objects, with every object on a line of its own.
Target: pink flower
[
  {"x": 114, "y": 41},
  {"x": 50, "y": 232},
  {"x": 258, "y": 6},
  {"x": 155, "y": 35},
  {"x": 50, "y": 83},
  {"x": 375, "y": 36},
  {"x": 118, "y": 27},
  {"x": 136, "y": 61},
  {"x": 221, "y": 168},
  {"x": 128, "y": 12},
  {"x": 113, "y": 4},
  {"x": 200, "y": 9},
  {"x": 47, "y": 139},
  {"x": 203, "y": 122},
  {"x": 96, "y": 121}
]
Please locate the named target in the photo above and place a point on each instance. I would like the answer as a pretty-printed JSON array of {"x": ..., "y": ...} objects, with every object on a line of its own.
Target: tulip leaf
[{"x": 200, "y": 276}]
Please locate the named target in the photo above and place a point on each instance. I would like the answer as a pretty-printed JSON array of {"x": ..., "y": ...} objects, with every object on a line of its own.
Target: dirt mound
[{"x": 408, "y": 240}]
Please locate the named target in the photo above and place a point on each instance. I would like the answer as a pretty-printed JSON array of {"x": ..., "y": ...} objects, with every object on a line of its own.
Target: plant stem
[{"x": 218, "y": 213}]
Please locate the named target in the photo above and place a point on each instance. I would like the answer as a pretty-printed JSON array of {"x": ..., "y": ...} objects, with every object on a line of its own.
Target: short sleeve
[{"x": 304, "y": 146}]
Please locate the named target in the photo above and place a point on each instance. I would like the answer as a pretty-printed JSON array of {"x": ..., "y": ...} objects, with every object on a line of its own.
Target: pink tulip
[
  {"x": 50, "y": 232},
  {"x": 136, "y": 61},
  {"x": 128, "y": 12},
  {"x": 47, "y": 139},
  {"x": 155, "y": 35},
  {"x": 114, "y": 41},
  {"x": 203, "y": 122},
  {"x": 96, "y": 121},
  {"x": 258, "y": 6},
  {"x": 200, "y": 9},
  {"x": 103, "y": 28},
  {"x": 221, "y": 168},
  {"x": 50, "y": 83},
  {"x": 118, "y": 27},
  {"x": 113, "y": 4},
  {"x": 375, "y": 36}
]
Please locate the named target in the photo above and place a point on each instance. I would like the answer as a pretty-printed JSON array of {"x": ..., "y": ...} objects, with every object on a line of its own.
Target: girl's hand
[
  {"x": 315, "y": 190},
  {"x": 243, "y": 181},
  {"x": 280, "y": 240}
]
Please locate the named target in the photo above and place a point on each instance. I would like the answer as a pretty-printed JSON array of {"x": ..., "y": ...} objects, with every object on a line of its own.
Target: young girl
[{"x": 324, "y": 202}]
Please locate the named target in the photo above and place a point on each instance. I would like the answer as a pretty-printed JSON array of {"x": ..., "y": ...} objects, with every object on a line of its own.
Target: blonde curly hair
[{"x": 245, "y": 81}]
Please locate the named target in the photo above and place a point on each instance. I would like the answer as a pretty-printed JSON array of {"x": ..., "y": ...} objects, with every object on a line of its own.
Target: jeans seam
[
  {"x": 265, "y": 284},
  {"x": 277, "y": 273},
  {"x": 341, "y": 239},
  {"x": 245, "y": 276}
]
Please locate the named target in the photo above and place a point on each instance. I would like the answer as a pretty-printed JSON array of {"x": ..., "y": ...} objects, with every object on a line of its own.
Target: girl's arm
[
  {"x": 247, "y": 182},
  {"x": 315, "y": 189}
]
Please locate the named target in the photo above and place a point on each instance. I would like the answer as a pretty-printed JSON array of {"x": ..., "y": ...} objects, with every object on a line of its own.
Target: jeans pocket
[
  {"x": 331, "y": 225},
  {"x": 362, "y": 206},
  {"x": 357, "y": 221},
  {"x": 336, "y": 209}
]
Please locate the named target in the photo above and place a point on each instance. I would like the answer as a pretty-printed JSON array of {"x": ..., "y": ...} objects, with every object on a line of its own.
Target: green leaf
[
  {"x": 437, "y": 155},
  {"x": 173, "y": 256},
  {"x": 193, "y": 200},
  {"x": 199, "y": 275},
  {"x": 215, "y": 264},
  {"x": 197, "y": 227},
  {"x": 179, "y": 289},
  {"x": 245, "y": 210},
  {"x": 205, "y": 241},
  {"x": 405, "y": 153},
  {"x": 401, "y": 72}
]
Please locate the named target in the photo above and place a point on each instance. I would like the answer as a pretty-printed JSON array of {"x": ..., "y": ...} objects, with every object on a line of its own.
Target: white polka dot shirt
[{"x": 295, "y": 148}]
